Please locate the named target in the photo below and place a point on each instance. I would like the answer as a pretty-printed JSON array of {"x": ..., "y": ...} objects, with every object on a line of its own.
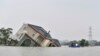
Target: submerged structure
[{"x": 32, "y": 35}]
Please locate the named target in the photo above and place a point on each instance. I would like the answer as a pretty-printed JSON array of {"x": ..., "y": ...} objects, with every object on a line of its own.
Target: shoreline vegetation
[{"x": 5, "y": 37}]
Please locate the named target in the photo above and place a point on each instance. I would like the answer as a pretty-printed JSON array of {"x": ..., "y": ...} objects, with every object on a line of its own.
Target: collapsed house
[{"x": 32, "y": 35}]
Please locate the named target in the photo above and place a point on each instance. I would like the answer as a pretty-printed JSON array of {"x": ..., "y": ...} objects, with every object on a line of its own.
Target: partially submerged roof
[
  {"x": 56, "y": 42},
  {"x": 40, "y": 30}
]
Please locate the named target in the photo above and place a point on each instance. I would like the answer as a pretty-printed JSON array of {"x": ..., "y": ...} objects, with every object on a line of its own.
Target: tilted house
[{"x": 32, "y": 35}]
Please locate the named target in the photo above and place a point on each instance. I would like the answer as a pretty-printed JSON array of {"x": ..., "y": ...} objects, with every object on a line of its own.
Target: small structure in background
[{"x": 32, "y": 35}]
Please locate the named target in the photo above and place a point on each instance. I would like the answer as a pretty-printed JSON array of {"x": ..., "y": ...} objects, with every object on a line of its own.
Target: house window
[
  {"x": 33, "y": 35},
  {"x": 20, "y": 36},
  {"x": 40, "y": 39},
  {"x": 24, "y": 28}
]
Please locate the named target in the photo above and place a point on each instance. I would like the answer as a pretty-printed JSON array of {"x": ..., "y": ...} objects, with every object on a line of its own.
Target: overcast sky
[{"x": 66, "y": 19}]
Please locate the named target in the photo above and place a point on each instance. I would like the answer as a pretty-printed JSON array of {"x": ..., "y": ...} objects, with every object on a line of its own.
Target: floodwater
[{"x": 49, "y": 51}]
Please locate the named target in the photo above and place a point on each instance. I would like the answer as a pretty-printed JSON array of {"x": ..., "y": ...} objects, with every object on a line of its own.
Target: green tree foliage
[
  {"x": 4, "y": 36},
  {"x": 83, "y": 43},
  {"x": 12, "y": 42},
  {"x": 86, "y": 43}
]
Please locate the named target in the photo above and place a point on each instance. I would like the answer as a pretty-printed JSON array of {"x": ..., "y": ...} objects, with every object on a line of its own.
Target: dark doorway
[
  {"x": 26, "y": 42},
  {"x": 51, "y": 45}
]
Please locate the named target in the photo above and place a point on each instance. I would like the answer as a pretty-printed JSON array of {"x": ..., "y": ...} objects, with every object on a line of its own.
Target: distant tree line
[
  {"x": 82, "y": 43},
  {"x": 5, "y": 34}
]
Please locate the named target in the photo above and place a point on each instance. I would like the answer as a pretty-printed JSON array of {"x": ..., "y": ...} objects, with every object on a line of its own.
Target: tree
[
  {"x": 83, "y": 43},
  {"x": 86, "y": 43},
  {"x": 12, "y": 42},
  {"x": 6, "y": 34}
]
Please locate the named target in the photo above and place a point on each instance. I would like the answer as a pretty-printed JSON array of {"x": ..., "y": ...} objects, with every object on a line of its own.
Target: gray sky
[{"x": 66, "y": 19}]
